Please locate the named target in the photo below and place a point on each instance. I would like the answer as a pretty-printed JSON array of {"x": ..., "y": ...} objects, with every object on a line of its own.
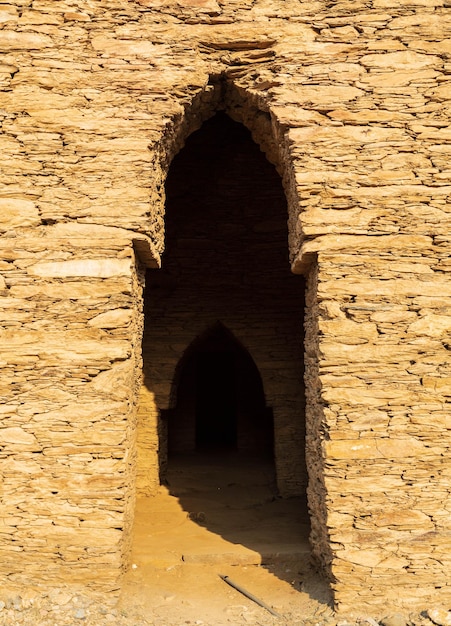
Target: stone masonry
[{"x": 351, "y": 103}]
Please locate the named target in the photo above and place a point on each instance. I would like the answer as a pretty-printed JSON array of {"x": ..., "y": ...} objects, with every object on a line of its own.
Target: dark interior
[
  {"x": 220, "y": 384},
  {"x": 226, "y": 305}
]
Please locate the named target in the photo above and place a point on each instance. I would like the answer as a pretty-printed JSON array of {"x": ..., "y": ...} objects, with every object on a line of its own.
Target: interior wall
[{"x": 226, "y": 261}]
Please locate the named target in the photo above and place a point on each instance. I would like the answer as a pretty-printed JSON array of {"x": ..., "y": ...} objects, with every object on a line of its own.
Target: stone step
[{"x": 240, "y": 555}]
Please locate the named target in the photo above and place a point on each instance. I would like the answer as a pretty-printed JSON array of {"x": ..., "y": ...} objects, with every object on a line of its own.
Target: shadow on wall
[
  {"x": 221, "y": 463},
  {"x": 233, "y": 496}
]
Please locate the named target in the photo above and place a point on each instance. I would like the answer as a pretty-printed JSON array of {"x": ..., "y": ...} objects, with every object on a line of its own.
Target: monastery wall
[
  {"x": 377, "y": 381},
  {"x": 71, "y": 331},
  {"x": 351, "y": 103}
]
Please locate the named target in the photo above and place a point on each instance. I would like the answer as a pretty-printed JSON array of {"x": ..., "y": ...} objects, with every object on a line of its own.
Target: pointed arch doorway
[
  {"x": 223, "y": 340},
  {"x": 220, "y": 405}
]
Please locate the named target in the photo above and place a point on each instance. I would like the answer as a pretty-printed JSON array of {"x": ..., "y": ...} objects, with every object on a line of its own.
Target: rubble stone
[{"x": 351, "y": 103}]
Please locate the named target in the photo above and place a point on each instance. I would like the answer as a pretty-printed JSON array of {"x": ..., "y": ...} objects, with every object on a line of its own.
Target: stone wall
[
  {"x": 71, "y": 329},
  {"x": 351, "y": 103},
  {"x": 378, "y": 379}
]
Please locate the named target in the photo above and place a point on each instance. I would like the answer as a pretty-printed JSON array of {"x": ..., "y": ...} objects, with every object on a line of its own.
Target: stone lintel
[{"x": 90, "y": 233}]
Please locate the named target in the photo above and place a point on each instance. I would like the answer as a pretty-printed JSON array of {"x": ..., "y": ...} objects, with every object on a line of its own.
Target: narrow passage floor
[{"x": 220, "y": 515}]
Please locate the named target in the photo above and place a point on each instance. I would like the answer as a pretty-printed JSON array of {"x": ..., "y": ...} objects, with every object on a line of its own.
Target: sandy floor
[{"x": 221, "y": 516}]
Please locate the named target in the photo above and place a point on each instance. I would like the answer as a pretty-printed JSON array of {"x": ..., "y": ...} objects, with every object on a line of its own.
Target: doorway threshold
[
  {"x": 220, "y": 515},
  {"x": 220, "y": 509}
]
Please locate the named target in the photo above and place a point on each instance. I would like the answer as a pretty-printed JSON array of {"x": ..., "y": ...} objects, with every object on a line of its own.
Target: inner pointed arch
[{"x": 219, "y": 399}]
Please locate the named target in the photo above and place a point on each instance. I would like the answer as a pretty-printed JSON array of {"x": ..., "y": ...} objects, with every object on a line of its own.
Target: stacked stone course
[
  {"x": 69, "y": 353},
  {"x": 381, "y": 380},
  {"x": 351, "y": 102}
]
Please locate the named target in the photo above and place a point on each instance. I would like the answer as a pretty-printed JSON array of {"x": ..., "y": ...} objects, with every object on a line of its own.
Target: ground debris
[{"x": 61, "y": 607}]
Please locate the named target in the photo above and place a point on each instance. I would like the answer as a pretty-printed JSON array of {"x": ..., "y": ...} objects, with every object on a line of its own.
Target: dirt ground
[{"x": 220, "y": 516}]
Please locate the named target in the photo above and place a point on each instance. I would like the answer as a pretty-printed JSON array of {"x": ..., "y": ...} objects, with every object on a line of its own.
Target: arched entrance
[
  {"x": 221, "y": 432},
  {"x": 220, "y": 404},
  {"x": 225, "y": 266}
]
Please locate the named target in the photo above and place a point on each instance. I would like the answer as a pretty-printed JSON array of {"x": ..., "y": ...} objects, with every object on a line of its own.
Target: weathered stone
[
  {"x": 440, "y": 617},
  {"x": 397, "y": 60},
  {"x": 431, "y": 325},
  {"x": 394, "y": 619},
  {"x": 17, "y": 213},
  {"x": 351, "y": 104},
  {"x": 11, "y": 40},
  {"x": 438, "y": 384},
  {"x": 408, "y": 519},
  {"x": 112, "y": 319},
  {"x": 89, "y": 267},
  {"x": 17, "y": 435},
  {"x": 373, "y": 448}
]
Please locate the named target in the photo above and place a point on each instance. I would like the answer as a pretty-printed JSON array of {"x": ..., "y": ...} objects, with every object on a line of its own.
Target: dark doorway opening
[
  {"x": 216, "y": 419},
  {"x": 223, "y": 358},
  {"x": 220, "y": 403},
  {"x": 223, "y": 343}
]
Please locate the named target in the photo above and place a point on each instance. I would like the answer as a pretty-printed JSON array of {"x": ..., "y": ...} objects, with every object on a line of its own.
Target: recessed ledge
[
  {"x": 142, "y": 244},
  {"x": 356, "y": 243},
  {"x": 146, "y": 251},
  {"x": 302, "y": 262}
]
